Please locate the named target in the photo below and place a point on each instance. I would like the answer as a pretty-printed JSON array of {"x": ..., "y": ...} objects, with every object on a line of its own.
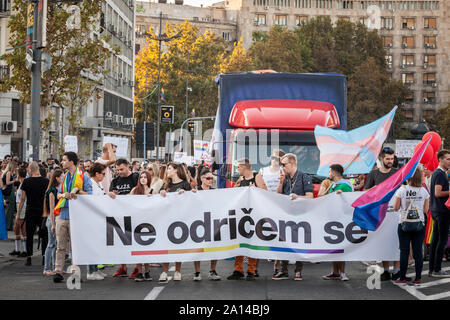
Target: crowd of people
[{"x": 37, "y": 195}]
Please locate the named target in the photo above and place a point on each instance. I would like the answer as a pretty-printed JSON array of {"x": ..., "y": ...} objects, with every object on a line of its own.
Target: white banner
[
  {"x": 405, "y": 148},
  {"x": 201, "y": 150},
  {"x": 70, "y": 144},
  {"x": 219, "y": 224},
  {"x": 121, "y": 143}
]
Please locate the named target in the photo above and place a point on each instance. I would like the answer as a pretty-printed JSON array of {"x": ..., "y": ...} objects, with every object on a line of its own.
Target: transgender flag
[
  {"x": 356, "y": 150},
  {"x": 371, "y": 207}
]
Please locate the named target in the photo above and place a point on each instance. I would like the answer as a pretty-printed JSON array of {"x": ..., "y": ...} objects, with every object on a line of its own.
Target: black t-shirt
[
  {"x": 376, "y": 177},
  {"x": 124, "y": 185},
  {"x": 437, "y": 205},
  {"x": 183, "y": 185},
  {"x": 249, "y": 182},
  {"x": 35, "y": 188},
  {"x": 200, "y": 188}
]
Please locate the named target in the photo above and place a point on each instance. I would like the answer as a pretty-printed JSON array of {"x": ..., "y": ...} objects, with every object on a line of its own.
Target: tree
[
  {"x": 441, "y": 124},
  {"x": 78, "y": 59},
  {"x": 238, "y": 61},
  {"x": 197, "y": 56},
  {"x": 279, "y": 52}
]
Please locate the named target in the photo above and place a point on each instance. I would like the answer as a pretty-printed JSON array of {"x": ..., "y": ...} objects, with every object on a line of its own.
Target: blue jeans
[
  {"x": 50, "y": 251},
  {"x": 416, "y": 240}
]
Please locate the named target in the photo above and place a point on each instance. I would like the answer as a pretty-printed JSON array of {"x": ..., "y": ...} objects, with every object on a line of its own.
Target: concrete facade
[{"x": 215, "y": 18}]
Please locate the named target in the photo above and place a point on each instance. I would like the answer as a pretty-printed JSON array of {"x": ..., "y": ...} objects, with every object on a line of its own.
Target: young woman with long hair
[
  {"x": 143, "y": 188},
  {"x": 175, "y": 181},
  {"x": 49, "y": 205},
  {"x": 156, "y": 182},
  {"x": 206, "y": 180}
]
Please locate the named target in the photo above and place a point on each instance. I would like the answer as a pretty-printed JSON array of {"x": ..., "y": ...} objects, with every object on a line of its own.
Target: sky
[{"x": 195, "y": 2}]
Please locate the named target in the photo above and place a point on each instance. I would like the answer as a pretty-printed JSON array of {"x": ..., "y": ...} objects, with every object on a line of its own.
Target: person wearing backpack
[{"x": 413, "y": 202}]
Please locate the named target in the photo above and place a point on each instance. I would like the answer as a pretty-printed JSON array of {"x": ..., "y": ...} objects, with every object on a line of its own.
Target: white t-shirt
[
  {"x": 108, "y": 175},
  {"x": 270, "y": 179},
  {"x": 97, "y": 189},
  {"x": 407, "y": 194}
]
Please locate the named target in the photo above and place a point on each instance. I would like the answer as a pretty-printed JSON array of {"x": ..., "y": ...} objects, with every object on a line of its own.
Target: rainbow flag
[
  {"x": 429, "y": 229},
  {"x": 77, "y": 182},
  {"x": 371, "y": 207},
  {"x": 3, "y": 231},
  {"x": 356, "y": 150},
  {"x": 163, "y": 97},
  {"x": 193, "y": 112}
]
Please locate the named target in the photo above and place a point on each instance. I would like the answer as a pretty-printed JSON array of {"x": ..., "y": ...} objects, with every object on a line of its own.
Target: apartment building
[
  {"x": 215, "y": 18},
  {"x": 415, "y": 34}
]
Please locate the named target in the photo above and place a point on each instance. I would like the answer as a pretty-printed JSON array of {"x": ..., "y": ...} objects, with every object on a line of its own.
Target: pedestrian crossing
[{"x": 416, "y": 290}]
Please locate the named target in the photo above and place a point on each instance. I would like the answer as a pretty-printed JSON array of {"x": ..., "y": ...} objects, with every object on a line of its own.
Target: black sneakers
[
  {"x": 250, "y": 276},
  {"x": 139, "y": 277},
  {"x": 14, "y": 253},
  {"x": 256, "y": 274},
  {"x": 396, "y": 276},
  {"x": 236, "y": 275},
  {"x": 22, "y": 255},
  {"x": 58, "y": 278},
  {"x": 385, "y": 276},
  {"x": 147, "y": 276}
]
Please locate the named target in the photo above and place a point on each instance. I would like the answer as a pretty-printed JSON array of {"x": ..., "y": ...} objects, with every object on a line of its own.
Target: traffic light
[
  {"x": 167, "y": 114},
  {"x": 150, "y": 136},
  {"x": 192, "y": 127}
]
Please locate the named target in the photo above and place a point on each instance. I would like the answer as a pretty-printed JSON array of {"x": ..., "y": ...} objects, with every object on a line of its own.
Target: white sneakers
[
  {"x": 95, "y": 276},
  {"x": 177, "y": 276},
  {"x": 163, "y": 277}
]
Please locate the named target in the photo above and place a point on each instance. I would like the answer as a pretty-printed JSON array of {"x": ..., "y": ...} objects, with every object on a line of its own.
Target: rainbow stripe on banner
[{"x": 236, "y": 246}]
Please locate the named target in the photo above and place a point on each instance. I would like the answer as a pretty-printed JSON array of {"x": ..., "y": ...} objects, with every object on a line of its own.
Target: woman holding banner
[
  {"x": 143, "y": 188},
  {"x": 176, "y": 181},
  {"x": 412, "y": 199},
  {"x": 206, "y": 180}
]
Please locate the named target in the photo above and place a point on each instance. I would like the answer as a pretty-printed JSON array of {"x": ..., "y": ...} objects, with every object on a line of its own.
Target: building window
[
  {"x": 408, "y": 42},
  {"x": 387, "y": 23},
  {"x": 385, "y": 5},
  {"x": 430, "y": 42},
  {"x": 410, "y": 97},
  {"x": 409, "y": 114},
  {"x": 281, "y": 3},
  {"x": 389, "y": 60},
  {"x": 281, "y": 20},
  {"x": 429, "y": 97},
  {"x": 408, "y": 78},
  {"x": 226, "y": 36},
  {"x": 261, "y": 3},
  {"x": 345, "y": 4},
  {"x": 324, "y": 4},
  {"x": 429, "y": 78},
  {"x": 303, "y": 3},
  {"x": 429, "y": 23},
  {"x": 387, "y": 41},
  {"x": 408, "y": 60},
  {"x": 300, "y": 19},
  {"x": 409, "y": 23},
  {"x": 429, "y": 60},
  {"x": 364, "y": 21},
  {"x": 260, "y": 20}
]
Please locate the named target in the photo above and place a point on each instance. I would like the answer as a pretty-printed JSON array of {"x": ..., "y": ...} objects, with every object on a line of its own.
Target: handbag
[{"x": 412, "y": 222}]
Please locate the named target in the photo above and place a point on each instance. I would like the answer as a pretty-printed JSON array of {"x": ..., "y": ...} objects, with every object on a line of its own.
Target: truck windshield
[{"x": 300, "y": 143}]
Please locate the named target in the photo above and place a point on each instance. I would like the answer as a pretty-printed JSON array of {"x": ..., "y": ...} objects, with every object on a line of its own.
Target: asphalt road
[{"x": 27, "y": 282}]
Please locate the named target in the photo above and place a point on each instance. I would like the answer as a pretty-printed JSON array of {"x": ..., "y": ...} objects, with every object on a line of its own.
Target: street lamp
[{"x": 160, "y": 38}]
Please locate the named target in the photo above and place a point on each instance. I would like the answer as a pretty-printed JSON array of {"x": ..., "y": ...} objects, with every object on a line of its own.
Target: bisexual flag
[
  {"x": 371, "y": 207},
  {"x": 3, "y": 231}
]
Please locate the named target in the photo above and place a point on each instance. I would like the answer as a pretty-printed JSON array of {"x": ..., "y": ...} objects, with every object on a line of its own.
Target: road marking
[
  {"x": 154, "y": 293},
  {"x": 414, "y": 290}
]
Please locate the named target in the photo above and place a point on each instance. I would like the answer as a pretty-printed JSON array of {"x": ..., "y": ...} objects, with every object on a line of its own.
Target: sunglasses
[
  {"x": 275, "y": 158},
  {"x": 387, "y": 149}
]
